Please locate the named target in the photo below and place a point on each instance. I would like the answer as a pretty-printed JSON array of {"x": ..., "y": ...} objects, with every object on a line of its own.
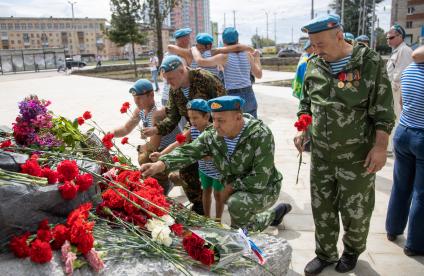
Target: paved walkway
[{"x": 72, "y": 95}]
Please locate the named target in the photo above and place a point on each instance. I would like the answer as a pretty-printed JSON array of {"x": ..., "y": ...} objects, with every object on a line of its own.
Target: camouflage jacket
[
  {"x": 345, "y": 117},
  {"x": 203, "y": 85},
  {"x": 251, "y": 166}
]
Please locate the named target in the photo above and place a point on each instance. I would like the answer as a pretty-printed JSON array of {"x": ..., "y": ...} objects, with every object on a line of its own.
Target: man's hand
[
  {"x": 376, "y": 159},
  {"x": 155, "y": 156},
  {"x": 300, "y": 141},
  {"x": 149, "y": 131},
  {"x": 228, "y": 191},
  {"x": 150, "y": 169}
]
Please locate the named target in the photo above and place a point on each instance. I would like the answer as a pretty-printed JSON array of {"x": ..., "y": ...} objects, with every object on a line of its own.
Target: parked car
[
  {"x": 288, "y": 53},
  {"x": 73, "y": 63}
]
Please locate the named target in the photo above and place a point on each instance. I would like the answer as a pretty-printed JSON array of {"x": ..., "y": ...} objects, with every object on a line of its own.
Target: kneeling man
[{"x": 242, "y": 150}]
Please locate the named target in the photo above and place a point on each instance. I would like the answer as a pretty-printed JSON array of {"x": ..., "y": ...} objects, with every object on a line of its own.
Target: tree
[
  {"x": 156, "y": 11},
  {"x": 125, "y": 25},
  {"x": 381, "y": 42},
  {"x": 259, "y": 42},
  {"x": 352, "y": 12}
]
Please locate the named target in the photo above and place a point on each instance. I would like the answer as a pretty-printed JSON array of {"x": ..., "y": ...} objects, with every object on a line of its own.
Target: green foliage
[
  {"x": 155, "y": 12},
  {"x": 67, "y": 132},
  {"x": 125, "y": 22},
  {"x": 351, "y": 14},
  {"x": 259, "y": 42}
]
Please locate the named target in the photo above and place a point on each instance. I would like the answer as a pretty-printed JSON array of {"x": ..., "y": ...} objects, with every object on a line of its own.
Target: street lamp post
[
  {"x": 266, "y": 13},
  {"x": 72, "y": 3}
]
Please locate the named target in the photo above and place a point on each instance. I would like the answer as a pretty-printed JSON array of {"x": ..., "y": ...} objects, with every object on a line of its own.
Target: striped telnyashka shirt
[
  {"x": 147, "y": 122},
  {"x": 237, "y": 71},
  {"x": 412, "y": 83},
  {"x": 206, "y": 167}
]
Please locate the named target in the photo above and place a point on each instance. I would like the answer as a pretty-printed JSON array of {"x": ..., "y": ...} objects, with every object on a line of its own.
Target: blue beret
[
  {"x": 398, "y": 28},
  {"x": 307, "y": 45},
  {"x": 141, "y": 87},
  {"x": 230, "y": 35},
  {"x": 362, "y": 38},
  {"x": 182, "y": 32},
  {"x": 348, "y": 36},
  {"x": 199, "y": 105},
  {"x": 170, "y": 63},
  {"x": 321, "y": 24},
  {"x": 226, "y": 103},
  {"x": 204, "y": 38}
]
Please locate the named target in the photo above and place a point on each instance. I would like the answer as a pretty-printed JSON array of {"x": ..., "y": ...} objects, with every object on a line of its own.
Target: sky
[{"x": 286, "y": 15}]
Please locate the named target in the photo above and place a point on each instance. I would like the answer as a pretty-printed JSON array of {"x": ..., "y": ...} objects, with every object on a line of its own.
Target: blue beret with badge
[
  {"x": 230, "y": 35},
  {"x": 362, "y": 38},
  {"x": 170, "y": 63},
  {"x": 398, "y": 28},
  {"x": 182, "y": 32},
  {"x": 204, "y": 38},
  {"x": 348, "y": 36},
  {"x": 141, "y": 87},
  {"x": 226, "y": 103},
  {"x": 198, "y": 105},
  {"x": 321, "y": 24}
]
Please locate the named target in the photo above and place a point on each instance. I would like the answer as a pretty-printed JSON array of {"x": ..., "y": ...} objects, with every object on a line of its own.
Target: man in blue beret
[
  {"x": 363, "y": 39},
  {"x": 237, "y": 69},
  {"x": 182, "y": 40},
  {"x": 185, "y": 84},
  {"x": 400, "y": 58},
  {"x": 147, "y": 114},
  {"x": 347, "y": 92},
  {"x": 242, "y": 149}
]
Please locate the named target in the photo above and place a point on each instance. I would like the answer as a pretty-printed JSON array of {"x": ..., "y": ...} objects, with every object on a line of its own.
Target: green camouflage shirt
[
  {"x": 345, "y": 118},
  {"x": 250, "y": 168},
  {"x": 203, "y": 85}
]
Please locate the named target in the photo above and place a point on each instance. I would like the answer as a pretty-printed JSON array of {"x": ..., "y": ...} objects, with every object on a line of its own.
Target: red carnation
[
  {"x": 79, "y": 213},
  {"x": 68, "y": 191},
  {"x": 52, "y": 176},
  {"x": 180, "y": 138},
  {"x": 86, "y": 243},
  {"x": 60, "y": 235},
  {"x": 124, "y": 109},
  {"x": 86, "y": 115},
  {"x": 127, "y": 104},
  {"x": 107, "y": 140},
  {"x": 306, "y": 118},
  {"x": 124, "y": 141},
  {"x": 207, "y": 256},
  {"x": 68, "y": 170},
  {"x": 40, "y": 252},
  {"x": 178, "y": 229},
  {"x": 80, "y": 120},
  {"x": 84, "y": 182},
  {"x": 115, "y": 159},
  {"x": 19, "y": 245},
  {"x": 5, "y": 144},
  {"x": 31, "y": 167}
]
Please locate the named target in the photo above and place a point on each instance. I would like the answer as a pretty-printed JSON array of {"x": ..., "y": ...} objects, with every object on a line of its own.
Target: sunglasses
[{"x": 391, "y": 37}]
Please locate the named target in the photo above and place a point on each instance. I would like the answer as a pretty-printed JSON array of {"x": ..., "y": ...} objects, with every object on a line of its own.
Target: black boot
[
  {"x": 280, "y": 211},
  {"x": 410, "y": 252},
  {"x": 316, "y": 266},
  {"x": 391, "y": 237},
  {"x": 347, "y": 262}
]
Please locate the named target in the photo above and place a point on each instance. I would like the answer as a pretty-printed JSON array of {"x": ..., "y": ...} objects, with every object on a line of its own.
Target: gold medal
[
  {"x": 340, "y": 84},
  {"x": 356, "y": 83},
  {"x": 348, "y": 85},
  {"x": 349, "y": 77}
]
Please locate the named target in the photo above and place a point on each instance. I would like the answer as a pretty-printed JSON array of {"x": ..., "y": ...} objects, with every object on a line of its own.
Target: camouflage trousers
[
  {"x": 192, "y": 187},
  {"x": 251, "y": 211},
  {"x": 344, "y": 188}
]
